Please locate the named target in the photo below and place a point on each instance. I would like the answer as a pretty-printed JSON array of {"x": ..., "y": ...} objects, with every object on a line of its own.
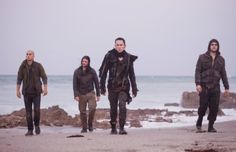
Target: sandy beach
[{"x": 54, "y": 139}]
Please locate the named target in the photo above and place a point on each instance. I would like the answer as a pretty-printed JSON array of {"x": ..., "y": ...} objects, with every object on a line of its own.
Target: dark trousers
[
  {"x": 115, "y": 99},
  {"x": 35, "y": 101},
  {"x": 209, "y": 98}
]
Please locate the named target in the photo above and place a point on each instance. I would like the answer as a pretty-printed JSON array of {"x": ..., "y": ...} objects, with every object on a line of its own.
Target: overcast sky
[{"x": 166, "y": 35}]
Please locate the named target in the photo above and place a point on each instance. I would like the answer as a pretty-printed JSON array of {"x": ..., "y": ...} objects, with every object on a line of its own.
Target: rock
[
  {"x": 189, "y": 112},
  {"x": 191, "y": 100},
  {"x": 11, "y": 121},
  {"x": 102, "y": 124},
  {"x": 20, "y": 113},
  {"x": 171, "y": 104},
  {"x": 161, "y": 119},
  {"x": 102, "y": 114},
  {"x": 170, "y": 113},
  {"x": 143, "y": 114},
  {"x": 228, "y": 101},
  {"x": 135, "y": 123},
  {"x": 58, "y": 123}
]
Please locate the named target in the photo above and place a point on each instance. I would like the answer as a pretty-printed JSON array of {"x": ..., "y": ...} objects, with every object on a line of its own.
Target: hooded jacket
[
  {"x": 84, "y": 81},
  {"x": 208, "y": 72},
  {"x": 121, "y": 73},
  {"x": 38, "y": 73}
]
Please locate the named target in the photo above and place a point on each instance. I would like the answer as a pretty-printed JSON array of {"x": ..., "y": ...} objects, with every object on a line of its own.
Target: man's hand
[
  {"x": 103, "y": 92},
  {"x": 97, "y": 98},
  {"x": 45, "y": 90},
  {"x": 134, "y": 93},
  {"x": 199, "y": 88},
  {"x": 77, "y": 98},
  {"x": 226, "y": 93},
  {"x": 18, "y": 93}
]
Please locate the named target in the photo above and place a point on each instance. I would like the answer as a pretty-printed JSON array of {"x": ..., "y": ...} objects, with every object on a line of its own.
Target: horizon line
[{"x": 136, "y": 75}]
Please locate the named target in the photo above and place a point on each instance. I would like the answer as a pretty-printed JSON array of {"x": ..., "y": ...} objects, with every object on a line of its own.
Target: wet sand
[{"x": 54, "y": 139}]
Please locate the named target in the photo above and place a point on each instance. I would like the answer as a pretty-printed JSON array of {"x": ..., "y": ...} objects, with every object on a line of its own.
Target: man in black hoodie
[
  {"x": 210, "y": 69},
  {"x": 119, "y": 63},
  {"x": 84, "y": 80}
]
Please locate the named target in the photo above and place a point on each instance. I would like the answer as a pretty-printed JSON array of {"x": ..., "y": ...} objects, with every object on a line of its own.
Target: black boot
[
  {"x": 211, "y": 128},
  {"x": 29, "y": 133},
  {"x": 84, "y": 130},
  {"x": 37, "y": 130},
  {"x": 123, "y": 131},
  {"x": 90, "y": 128},
  {"x": 113, "y": 128},
  {"x": 199, "y": 123}
]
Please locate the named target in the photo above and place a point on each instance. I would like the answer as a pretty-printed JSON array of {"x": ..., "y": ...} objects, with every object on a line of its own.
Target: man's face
[
  {"x": 30, "y": 56},
  {"x": 214, "y": 47},
  {"x": 119, "y": 46},
  {"x": 85, "y": 63}
]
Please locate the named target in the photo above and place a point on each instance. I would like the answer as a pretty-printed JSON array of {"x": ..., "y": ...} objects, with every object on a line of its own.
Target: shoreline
[{"x": 54, "y": 139}]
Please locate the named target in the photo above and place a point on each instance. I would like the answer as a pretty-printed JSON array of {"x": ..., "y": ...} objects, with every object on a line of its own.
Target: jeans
[{"x": 30, "y": 100}]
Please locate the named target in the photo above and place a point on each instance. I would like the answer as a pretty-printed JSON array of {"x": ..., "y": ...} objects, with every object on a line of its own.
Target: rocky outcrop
[
  {"x": 191, "y": 100},
  {"x": 55, "y": 116}
]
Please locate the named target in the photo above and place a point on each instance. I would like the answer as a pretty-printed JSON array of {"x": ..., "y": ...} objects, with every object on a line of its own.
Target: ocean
[{"x": 154, "y": 92}]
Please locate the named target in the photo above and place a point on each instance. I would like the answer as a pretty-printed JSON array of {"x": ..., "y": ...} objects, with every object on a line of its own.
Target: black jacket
[
  {"x": 38, "y": 73},
  {"x": 121, "y": 73},
  {"x": 84, "y": 81},
  {"x": 208, "y": 74}
]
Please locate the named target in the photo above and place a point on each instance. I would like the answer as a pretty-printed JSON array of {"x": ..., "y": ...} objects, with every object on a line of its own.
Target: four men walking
[{"x": 210, "y": 69}]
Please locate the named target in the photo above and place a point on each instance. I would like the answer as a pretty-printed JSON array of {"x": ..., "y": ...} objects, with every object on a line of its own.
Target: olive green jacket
[{"x": 38, "y": 73}]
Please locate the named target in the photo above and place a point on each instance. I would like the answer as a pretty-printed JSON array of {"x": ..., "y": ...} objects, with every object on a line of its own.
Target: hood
[
  {"x": 87, "y": 58},
  {"x": 209, "y": 45}
]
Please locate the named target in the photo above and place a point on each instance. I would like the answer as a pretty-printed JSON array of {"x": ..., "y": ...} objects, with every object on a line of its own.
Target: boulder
[
  {"x": 171, "y": 104},
  {"x": 135, "y": 123},
  {"x": 191, "y": 100}
]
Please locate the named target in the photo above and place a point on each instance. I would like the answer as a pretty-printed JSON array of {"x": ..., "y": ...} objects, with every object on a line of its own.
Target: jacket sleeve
[
  {"x": 20, "y": 75},
  {"x": 198, "y": 71},
  {"x": 95, "y": 79},
  {"x": 132, "y": 78},
  {"x": 103, "y": 73},
  {"x": 75, "y": 84},
  {"x": 43, "y": 75},
  {"x": 224, "y": 76}
]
